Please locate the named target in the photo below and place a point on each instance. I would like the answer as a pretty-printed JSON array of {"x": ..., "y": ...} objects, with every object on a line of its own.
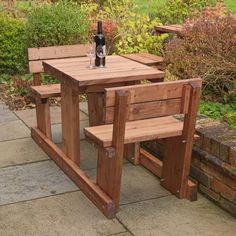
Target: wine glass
[
  {"x": 101, "y": 53},
  {"x": 91, "y": 55}
]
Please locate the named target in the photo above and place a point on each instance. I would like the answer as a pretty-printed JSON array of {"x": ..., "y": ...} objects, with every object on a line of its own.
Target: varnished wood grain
[{"x": 118, "y": 69}]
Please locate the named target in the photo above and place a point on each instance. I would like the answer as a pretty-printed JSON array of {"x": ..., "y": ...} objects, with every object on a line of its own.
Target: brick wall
[{"x": 213, "y": 162}]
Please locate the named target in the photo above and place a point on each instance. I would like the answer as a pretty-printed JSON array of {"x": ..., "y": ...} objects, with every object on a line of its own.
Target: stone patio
[{"x": 36, "y": 198}]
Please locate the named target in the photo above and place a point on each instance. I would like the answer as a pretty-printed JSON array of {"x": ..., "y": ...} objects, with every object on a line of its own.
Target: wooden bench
[
  {"x": 173, "y": 29},
  {"x": 148, "y": 60},
  {"x": 42, "y": 93},
  {"x": 141, "y": 113}
]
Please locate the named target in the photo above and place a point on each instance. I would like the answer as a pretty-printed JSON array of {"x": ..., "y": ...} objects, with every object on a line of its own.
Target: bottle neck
[{"x": 99, "y": 31}]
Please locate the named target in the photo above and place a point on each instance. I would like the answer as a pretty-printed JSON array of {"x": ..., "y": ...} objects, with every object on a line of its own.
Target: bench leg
[
  {"x": 43, "y": 116},
  {"x": 131, "y": 153},
  {"x": 176, "y": 168},
  {"x": 109, "y": 171}
]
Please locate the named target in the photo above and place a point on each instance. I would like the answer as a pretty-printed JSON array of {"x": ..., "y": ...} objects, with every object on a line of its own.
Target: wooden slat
[
  {"x": 145, "y": 58},
  {"x": 150, "y": 162},
  {"x": 116, "y": 71},
  {"x": 79, "y": 177},
  {"x": 148, "y": 110},
  {"x": 37, "y": 55},
  {"x": 151, "y": 92},
  {"x": 174, "y": 29},
  {"x": 46, "y": 91},
  {"x": 53, "y": 52},
  {"x": 137, "y": 131}
]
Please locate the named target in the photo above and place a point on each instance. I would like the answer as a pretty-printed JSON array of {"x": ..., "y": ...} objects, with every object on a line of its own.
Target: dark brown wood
[
  {"x": 131, "y": 153},
  {"x": 36, "y": 79},
  {"x": 43, "y": 116},
  {"x": 110, "y": 169},
  {"x": 95, "y": 108},
  {"x": 103, "y": 202},
  {"x": 178, "y": 150},
  {"x": 70, "y": 123}
]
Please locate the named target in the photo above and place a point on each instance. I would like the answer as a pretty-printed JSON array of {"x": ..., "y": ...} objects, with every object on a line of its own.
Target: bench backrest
[
  {"x": 153, "y": 100},
  {"x": 37, "y": 55}
]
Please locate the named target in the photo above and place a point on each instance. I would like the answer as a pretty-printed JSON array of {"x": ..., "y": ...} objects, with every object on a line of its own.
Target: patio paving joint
[{"x": 126, "y": 228}]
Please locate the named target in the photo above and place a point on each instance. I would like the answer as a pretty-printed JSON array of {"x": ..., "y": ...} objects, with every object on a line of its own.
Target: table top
[{"x": 118, "y": 69}]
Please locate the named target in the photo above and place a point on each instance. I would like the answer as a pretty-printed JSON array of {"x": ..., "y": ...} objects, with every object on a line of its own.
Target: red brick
[
  {"x": 218, "y": 175},
  {"x": 224, "y": 190},
  {"x": 208, "y": 192},
  {"x": 232, "y": 156}
]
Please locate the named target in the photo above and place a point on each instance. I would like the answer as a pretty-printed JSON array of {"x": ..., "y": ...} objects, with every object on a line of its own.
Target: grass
[{"x": 144, "y": 5}]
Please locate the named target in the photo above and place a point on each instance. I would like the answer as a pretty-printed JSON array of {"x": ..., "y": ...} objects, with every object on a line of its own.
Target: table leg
[
  {"x": 95, "y": 108},
  {"x": 70, "y": 123}
]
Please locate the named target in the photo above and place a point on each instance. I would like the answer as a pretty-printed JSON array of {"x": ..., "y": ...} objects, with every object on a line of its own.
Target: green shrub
[
  {"x": 60, "y": 23},
  {"x": 12, "y": 45},
  {"x": 177, "y": 11},
  {"x": 207, "y": 49}
]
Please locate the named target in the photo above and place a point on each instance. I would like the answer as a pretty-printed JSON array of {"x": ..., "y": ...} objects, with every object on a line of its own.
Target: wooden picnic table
[{"x": 75, "y": 78}]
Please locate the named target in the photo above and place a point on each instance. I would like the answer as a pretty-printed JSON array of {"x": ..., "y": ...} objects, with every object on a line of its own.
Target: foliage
[
  {"x": 137, "y": 34},
  {"x": 207, "y": 50},
  {"x": 60, "y": 23},
  {"x": 12, "y": 45},
  {"x": 216, "y": 110},
  {"x": 177, "y": 11}
]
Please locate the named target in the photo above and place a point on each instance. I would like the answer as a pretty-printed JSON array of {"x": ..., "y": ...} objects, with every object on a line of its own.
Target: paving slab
[
  {"x": 121, "y": 234},
  {"x": 70, "y": 214},
  {"x": 139, "y": 184},
  {"x": 13, "y": 130},
  {"x": 175, "y": 217},
  {"x": 83, "y": 106},
  {"x": 5, "y": 114},
  {"x": 88, "y": 158},
  {"x": 56, "y": 131},
  {"x": 29, "y": 116},
  {"x": 31, "y": 181},
  {"x": 20, "y": 151}
]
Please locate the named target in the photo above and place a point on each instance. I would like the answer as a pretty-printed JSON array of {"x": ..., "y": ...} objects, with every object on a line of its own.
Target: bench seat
[
  {"x": 46, "y": 91},
  {"x": 145, "y": 58},
  {"x": 137, "y": 131}
]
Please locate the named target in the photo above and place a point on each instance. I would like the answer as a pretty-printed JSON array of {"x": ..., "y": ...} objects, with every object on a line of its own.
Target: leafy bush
[
  {"x": 12, "y": 45},
  {"x": 207, "y": 49},
  {"x": 60, "y": 23},
  {"x": 176, "y": 11},
  {"x": 137, "y": 34}
]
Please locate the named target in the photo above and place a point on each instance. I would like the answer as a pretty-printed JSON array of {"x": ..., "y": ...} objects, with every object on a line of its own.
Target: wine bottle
[{"x": 100, "y": 41}]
